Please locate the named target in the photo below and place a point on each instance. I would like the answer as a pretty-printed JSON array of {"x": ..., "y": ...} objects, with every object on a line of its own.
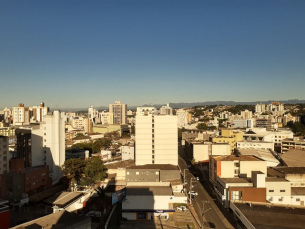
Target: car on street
[{"x": 181, "y": 208}]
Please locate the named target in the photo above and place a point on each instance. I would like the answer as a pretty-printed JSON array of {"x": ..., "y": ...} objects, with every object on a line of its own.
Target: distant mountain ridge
[{"x": 183, "y": 105}]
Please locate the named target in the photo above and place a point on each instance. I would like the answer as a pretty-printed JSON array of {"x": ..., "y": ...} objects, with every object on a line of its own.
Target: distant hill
[{"x": 182, "y": 105}]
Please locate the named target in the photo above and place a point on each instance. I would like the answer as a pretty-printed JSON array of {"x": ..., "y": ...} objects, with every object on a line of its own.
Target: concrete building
[
  {"x": 5, "y": 214},
  {"x": 260, "y": 108},
  {"x": 119, "y": 113},
  {"x": 80, "y": 123},
  {"x": 48, "y": 144},
  {"x": 182, "y": 117},
  {"x": 267, "y": 155},
  {"x": 264, "y": 123},
  {"x": 166, "y": 110},
  {"x": 62, "y": 219},
  {"x": 24, "y": 115},
  {"x": 127, "y": 152},
  {"x": 246, "y": 114},
  {"x": 230, "y": 137},
  {"x": 156, "y": 138},
  {"x": 4, "y": 154},
  {"x": 152, "y": 201},
  {"x": 7, "y": 131},
  {"x": 23, "y": 180},
  {"x": 255, "y": 145},
  {"x": 93, "y": 115},
  {"x": 292, "y": 143},
  {"x": 103, "y": 129}
]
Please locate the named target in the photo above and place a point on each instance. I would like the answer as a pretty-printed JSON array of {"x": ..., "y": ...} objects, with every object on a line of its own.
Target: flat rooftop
[
  {"x": 120, "y": 164},
  {"x": 236, "y": 158},
  {"x": 149, "y": 191},
  {"x": 264, "y": 154},
  {"x": 63, "y": 199},
  {"x": 155, "y": 166},
  {"x": 61, "y": 219},
  {"x": 294, "y": 158},
  {"x": 290, "y": 170},
  {"x": 237, "y": 180},
  {"x": 276, "y": 179},
  {"x": 298, "y": 191},
  {"x": 270, "y": 216}
]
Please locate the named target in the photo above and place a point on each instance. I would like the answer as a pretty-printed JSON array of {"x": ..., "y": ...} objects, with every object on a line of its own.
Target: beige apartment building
[
  {"x": 156, "y": 138},
  {"x": 4, "y": 154},
  {"x": 117, "y": 113}
]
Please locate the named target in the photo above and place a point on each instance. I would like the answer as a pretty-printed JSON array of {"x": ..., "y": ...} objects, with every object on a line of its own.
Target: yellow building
[
  {"x": 102, "y": 129},
  {"x": 230, "y": 137}
]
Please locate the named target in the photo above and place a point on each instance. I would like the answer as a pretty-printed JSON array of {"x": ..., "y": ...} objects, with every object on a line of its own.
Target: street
[{"x": 207, "y": 211}]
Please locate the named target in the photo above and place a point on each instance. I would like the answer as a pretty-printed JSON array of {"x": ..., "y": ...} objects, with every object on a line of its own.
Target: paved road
[{"x": 207, "y": 211}]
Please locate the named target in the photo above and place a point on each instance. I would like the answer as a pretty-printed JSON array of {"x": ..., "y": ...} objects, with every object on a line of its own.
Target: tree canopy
[
  {"x": 202, "y": 126},
  {"x": 85, "y": 172}
]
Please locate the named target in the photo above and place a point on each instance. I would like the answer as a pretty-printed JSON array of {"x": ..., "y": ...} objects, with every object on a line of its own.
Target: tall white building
[
  {"x": 182, "y": 117},
  {"x": 156, "y": 137},
  {"x": 48, "y": 144},
  {"x": 4, "y": 154},
  {"x": 94, "y": 115},
  {"x": 260, "y": 108},
  {"x": 166, "y": 110},
  {"x": 118, "y": 113}
]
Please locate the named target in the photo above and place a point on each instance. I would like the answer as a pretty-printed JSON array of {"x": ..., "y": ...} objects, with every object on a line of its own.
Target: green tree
[
  {"x": 79, "y": 134},
  {"x": 297, "y": 128},
  {"x": 74, "y": 168},
  {"x": 202, "y": 126},
  {"x": 94, "y": 171}
]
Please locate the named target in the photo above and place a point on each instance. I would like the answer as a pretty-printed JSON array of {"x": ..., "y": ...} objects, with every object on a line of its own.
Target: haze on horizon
[{"x": 75, "y": 53}]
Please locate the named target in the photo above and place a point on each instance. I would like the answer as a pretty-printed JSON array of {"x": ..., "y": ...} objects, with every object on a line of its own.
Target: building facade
[
  {"x": 156, "y": 138},
  {"x": 118, "y": 112}
]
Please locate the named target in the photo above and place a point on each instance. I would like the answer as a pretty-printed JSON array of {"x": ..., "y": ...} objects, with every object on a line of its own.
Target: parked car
[{"x": 181, "y": 208}]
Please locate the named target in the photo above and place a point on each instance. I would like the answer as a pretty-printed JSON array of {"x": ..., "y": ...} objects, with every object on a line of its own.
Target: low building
[
  {"x": 154, "y": 201},
  {"x": 261, "y": 215},
  {"x": 294, "y": 158},
  {"x": 255, "y": 145},
  {"x": 152, "y": 173},
  {"x": 5, "y": 215},
  {"x": 127, "y": 152},
  {"x": 62, "y": 219},
  {"x": 292, "y": 143},
  {"x": 77, "y": 153},
  {"x": 267, "y": 155}
]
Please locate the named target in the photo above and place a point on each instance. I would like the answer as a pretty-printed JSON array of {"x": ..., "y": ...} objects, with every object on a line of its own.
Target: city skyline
[{"x": 72, "y": 54}]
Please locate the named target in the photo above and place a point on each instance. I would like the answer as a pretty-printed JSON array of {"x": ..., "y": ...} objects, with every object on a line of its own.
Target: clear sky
[{"x": 70, "y": 53}]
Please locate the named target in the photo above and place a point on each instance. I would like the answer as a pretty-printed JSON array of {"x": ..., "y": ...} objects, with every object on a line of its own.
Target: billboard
[{"x": 118, "y": 196}]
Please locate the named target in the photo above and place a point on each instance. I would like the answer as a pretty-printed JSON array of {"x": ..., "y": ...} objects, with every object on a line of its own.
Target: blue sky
[{"x": 79, "y": 53}]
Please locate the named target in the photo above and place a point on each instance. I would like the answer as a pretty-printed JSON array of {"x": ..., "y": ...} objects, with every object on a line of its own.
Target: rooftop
[
  {"x": 155, "y": 166},
  {"x": 294, "y": 158},
  {"x": 276, "y": 179},
  {"x": 298, "y": 191},
  {"x": 120, "y": 164},
  {"x": 290, "y": 170},
  {"x": 149, "y": 191},
  {"x": 63, "y": 199},
  {"x": 61, "y": 219},
  {"x": 264, "y": 154},
  {"x": 236, "y": 158},
  {"x": 267, "y": 216},
  {"x": 236, "y": 180}
]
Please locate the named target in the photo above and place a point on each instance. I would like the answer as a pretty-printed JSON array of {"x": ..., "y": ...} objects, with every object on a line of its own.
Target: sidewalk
[{"x": 196, "y": 219}]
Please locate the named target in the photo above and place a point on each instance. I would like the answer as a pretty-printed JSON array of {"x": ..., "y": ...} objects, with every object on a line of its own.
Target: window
[
  {"x": 282, "y": 190},
  {"x": 157, "y": 173},
  {"x": 297, "y": 199},
  {"x": 127, "y": 173},
  {"x": 147, "y": 173},
  {"x": 137, "y": 173},
  {"x": 271, "y": 190}
]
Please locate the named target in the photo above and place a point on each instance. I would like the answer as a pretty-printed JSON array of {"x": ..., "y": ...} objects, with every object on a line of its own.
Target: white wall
[{"x": 201, "y": 152}]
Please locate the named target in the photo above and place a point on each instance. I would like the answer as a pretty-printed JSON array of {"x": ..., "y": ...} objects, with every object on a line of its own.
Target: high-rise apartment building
[
  {"x": 182, "y": 117},
  {"x": 48, "y": 144},
  {"x": 4, "y": 155},
  {"x": 94, "y": 115},
  {"x": 118, "y": 113},
  {"x": 260, "y": 108},
  {"x": 44, "y": 144},
  {"x": 25, "y": 115},
  {"x": 156, "y": 137},
  {"x": 166, "y": 110}
]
